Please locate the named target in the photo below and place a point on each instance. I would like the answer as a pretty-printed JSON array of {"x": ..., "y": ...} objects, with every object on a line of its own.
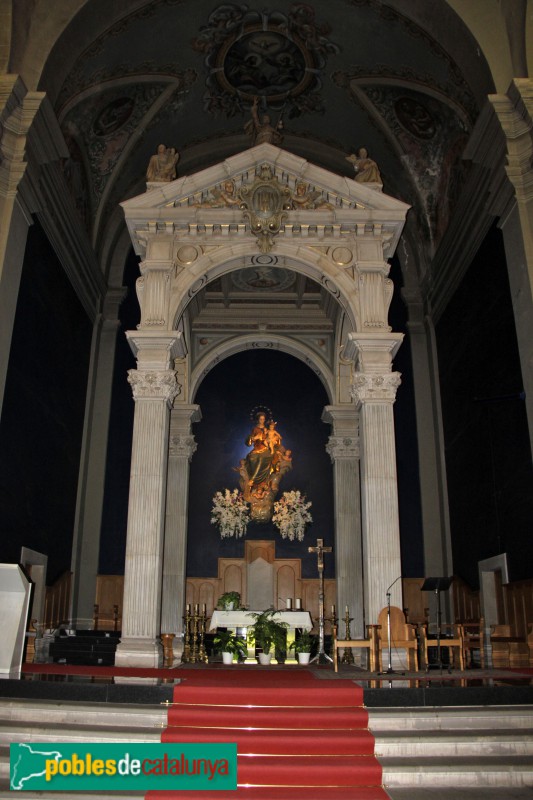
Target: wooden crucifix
[{"x": 322, "y": 657}]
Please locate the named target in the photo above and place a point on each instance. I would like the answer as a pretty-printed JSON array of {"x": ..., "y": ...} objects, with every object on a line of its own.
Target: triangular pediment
[{"x": 309, "y": 195}]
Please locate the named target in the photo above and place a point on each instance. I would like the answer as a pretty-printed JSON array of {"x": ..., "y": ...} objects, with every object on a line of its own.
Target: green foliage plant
[{"x": 267, "y": 631}]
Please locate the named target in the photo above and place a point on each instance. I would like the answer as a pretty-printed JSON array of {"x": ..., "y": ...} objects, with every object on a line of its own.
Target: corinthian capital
[
  {"x": 182, "y": 446},
  {"x": 367, "y": 387},
  {"x": 154, "y": 385},
  {"x": 342, "y": 447}
]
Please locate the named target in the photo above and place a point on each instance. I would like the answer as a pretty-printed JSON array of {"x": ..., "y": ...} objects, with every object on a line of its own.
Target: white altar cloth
[{"x": 243, "y": 619}]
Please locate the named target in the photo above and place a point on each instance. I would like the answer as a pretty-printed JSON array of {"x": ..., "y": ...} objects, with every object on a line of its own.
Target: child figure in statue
[{"x": 273, "y": 438}]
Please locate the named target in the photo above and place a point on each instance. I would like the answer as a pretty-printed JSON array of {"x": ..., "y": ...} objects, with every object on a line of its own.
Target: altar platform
[
  {"x": 436, "y": 736},
  {"x": 432, "y": 688}
]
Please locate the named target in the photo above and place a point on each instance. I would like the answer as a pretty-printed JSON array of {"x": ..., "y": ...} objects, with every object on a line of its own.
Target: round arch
[
  {"x": 267, "y": 342},
  {"x": 292, "y": 255}
]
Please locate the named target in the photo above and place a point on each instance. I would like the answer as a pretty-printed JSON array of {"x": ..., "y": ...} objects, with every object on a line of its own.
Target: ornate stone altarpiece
[{"x": 340, "y": 233}]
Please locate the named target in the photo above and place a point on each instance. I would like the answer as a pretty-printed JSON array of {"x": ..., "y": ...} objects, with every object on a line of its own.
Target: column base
[{"x": 142, "y": 653}]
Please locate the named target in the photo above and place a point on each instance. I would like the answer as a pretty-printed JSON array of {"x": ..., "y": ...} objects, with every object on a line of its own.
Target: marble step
[
  {"x": 380, "y": 719},
  {"x": 15, "y": 731},
  {"x": 467, "y": 793},
  {"x": 90, "y": 714},
  {"x": 450, "y": 718},
  {"x": 428, "y": 744},
  {"x": 459, "y": 772}
]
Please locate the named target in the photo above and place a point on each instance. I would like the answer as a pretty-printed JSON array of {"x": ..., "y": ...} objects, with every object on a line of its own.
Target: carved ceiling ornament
[{"x": 265, "y": 203}]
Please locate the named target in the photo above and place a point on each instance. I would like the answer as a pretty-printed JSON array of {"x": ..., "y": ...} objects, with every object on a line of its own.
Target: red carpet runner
[{"x": 297, "y": 736}]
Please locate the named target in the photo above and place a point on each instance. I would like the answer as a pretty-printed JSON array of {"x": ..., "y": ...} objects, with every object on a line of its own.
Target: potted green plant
[
  {"x": 230, "y": 645},
  {"x": 267, "y": 631},
  {"x": 229, "y": 601},
  {"x": 303, "y": 646}
]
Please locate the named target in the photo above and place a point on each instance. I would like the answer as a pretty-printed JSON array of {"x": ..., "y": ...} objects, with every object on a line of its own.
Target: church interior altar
[{"x": 242, "y": 619}]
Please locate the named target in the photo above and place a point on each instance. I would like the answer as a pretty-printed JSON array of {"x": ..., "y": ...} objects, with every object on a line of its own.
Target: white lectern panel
[{"x": 14, "y": 602}]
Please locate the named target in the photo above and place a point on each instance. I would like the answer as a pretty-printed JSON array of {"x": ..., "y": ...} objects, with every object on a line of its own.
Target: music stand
[
  {"x": 437, "y": 585},
  {"x": 390, "y": 670}
]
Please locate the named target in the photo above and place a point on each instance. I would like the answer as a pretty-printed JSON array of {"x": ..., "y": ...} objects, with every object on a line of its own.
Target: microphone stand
[{"x": 389, "y": 670}]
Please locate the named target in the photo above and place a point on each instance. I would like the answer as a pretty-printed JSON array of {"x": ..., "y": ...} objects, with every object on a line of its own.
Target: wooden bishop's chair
[
  {"x": 370, "y": 644},
  {"x": 403, "y": 636},
  {"x": 453, "y": 643}
]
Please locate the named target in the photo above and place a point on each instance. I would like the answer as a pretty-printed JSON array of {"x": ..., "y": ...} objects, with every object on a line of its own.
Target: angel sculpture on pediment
[
  {"x": 162, "y": 166},
  {"x": 225, "y": 197},
  {"x": 366, "y": 169},
  {"x": 261, "y": 129},
  {"x": 304, "y": 197}
]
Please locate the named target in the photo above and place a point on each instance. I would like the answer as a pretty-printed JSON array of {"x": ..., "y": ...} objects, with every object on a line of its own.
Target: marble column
[
  {"x": 19, "y": 108},
  {"x": 515, "y": 114},
  {"x": 154, "y": 388},
  {"x": 374, "y": 392},
  {"x": 374, "y": 395},
  {"x": 437, "y": 546},
  {"x": 91, "y": 483},
  {"x": 343, "y": 448},
  {"x": 181, "y": 449}
]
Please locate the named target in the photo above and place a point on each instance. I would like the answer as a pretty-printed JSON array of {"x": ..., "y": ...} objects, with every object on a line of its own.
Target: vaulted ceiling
[{"x": 404, "y": 79}]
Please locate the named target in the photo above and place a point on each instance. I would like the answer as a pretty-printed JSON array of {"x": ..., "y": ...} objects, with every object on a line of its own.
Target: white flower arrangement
[
  {"x": 291, "y": 515},
  {"x": 231, "y": 513}
]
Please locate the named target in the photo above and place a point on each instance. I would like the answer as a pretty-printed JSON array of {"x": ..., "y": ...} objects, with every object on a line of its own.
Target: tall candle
[
  {"x": 298, "y": 603},
  {"x": 332, "y": 611},
  {"x": 289, "y": 603}
]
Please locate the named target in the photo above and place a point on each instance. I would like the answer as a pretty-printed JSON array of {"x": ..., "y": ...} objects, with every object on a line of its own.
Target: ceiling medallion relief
[{"x": 267, "y": 54}]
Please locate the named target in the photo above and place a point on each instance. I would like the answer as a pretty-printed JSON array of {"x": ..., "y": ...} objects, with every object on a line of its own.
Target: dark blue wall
[
  {"x": 42, "y": 417},
  {"x": 226, "y": 396},
  {"x": 488, "y": 458}
]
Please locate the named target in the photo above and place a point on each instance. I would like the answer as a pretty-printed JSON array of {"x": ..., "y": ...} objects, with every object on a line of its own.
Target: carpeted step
[
  {"x": 271, "y": 742},
  {"x": 201, "y": 716},
  {"x": 296, "y": 737},
  {"x": 279, "y": 692}
]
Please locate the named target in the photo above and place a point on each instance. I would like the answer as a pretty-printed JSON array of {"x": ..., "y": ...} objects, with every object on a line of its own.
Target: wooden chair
[
  {"x": 453, "y": 644},
  {"x": 403, "y": 636},
  {"x": 370, "y": 644},
  {"x": 472, "y": 635}
]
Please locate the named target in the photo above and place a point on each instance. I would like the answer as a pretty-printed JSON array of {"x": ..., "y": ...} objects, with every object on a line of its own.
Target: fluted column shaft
[
  {"x": 181, "y": 449},
  {"x": 343, "y": 447},
  {"x": 154, "y": 390},
  {"x": 374, "y": 397}
]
